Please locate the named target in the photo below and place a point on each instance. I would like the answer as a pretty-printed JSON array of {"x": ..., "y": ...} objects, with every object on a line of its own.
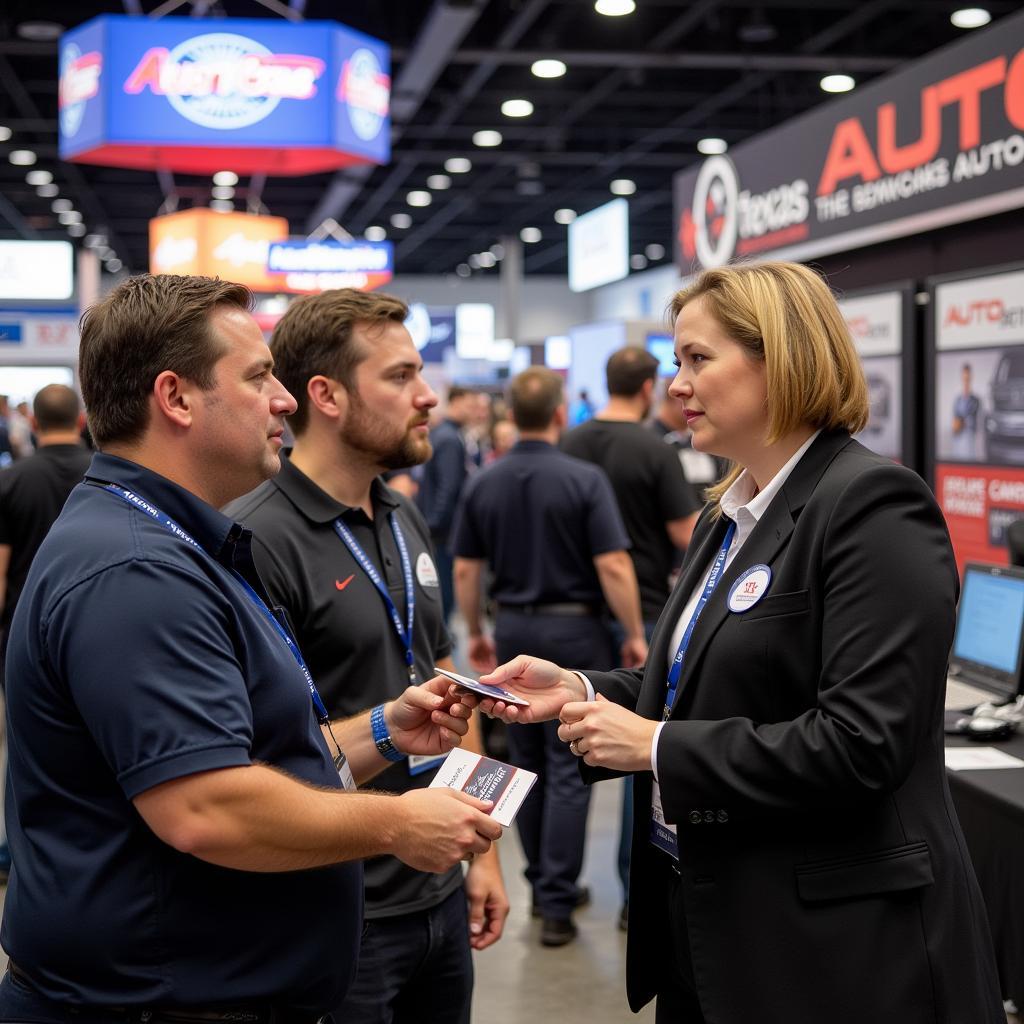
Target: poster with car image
[
  {"x": 978, "y": 428},
  {"x": 876, "y": 326}
]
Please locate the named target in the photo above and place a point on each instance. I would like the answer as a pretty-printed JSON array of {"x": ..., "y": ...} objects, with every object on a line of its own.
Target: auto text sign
[
  {"x": 937, "y": 143},
  {"x": 875, "y": 323},
  {"x": 980, "y": 312},
  {"x": 173, "y": 93}
]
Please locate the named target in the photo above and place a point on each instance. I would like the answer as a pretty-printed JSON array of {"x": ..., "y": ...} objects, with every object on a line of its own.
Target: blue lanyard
[
  {"x": 404, "y": 631},
  {"x": 168, "y": 523},
  {"x": 709, "y": 588}
]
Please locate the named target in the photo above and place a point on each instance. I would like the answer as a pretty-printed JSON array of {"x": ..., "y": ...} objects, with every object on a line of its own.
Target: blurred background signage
[{"x": 174, "y": 93}]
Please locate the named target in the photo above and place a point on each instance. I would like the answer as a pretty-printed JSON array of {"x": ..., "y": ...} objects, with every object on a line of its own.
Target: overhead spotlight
[
  {"x": 222, "y": 192},
  {"x": 439, "y": 182},
  {"x": 401, "y": 221},
  {"x": 712, "y": 146},
  {"x": 970, "y": 17},
  {"x": 548, "y": 68},
  {"x": 474, "y": 261},
  {"x": 61, "y": 205},
  {"x": 837, "y": 83},
  {"x": 38, "y": 178},
  {"x": 463, "y": 270},
  {"x": 5, "y": 133},
  {"x": 487, "y": 138},
  {"x": 47, "y": 191},
  {"x": 637, "y": 261},
  {"x": 565, "y": 216},
  {"x": 375, "y": 233},
  {"x": 222, "y": 205},
  {"x": 458, "y": 165},
  {"x": 487, "y": 260},
  {"x": 419, "y": 198},
  {"x": 76, "y": 230},
  {"x": 498, "y": 251},
  {"x": 622, "y": 187},
  {"x": 517, "y": 108},
  {"x": 114, "y": 265},
  {"x": 69, "y": 217},
  {"x": 95, "y": 241},
  {"x": 22, "y": 157},
  {"x": 225, "y": 178},
  {"x": 655, "y": 252},
  {"x": 530, "y": 235},
  {"x": 614, "y": 8}
]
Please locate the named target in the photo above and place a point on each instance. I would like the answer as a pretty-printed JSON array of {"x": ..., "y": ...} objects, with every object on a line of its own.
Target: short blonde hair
[{"x": 785, "y": 315}]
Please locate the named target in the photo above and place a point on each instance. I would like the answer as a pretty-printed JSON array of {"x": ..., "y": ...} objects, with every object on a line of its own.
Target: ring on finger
[{"x": 574, "y": 746}]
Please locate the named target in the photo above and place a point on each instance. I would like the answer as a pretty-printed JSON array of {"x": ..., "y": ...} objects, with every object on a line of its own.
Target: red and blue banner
[{"x": 200, "y": 95}]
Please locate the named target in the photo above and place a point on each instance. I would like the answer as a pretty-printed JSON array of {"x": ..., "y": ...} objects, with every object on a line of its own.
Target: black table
[{"x": 990, "y": 805}]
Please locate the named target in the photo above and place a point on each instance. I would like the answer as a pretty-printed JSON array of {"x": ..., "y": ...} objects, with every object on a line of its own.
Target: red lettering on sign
[
  {"x": 148, "y": 71},
  {"x": 849, "y": 156},
  {"x": 895, "y": 158},
  {"x": 1013, "y": 92},
  {"x": 967, "y": 88}
]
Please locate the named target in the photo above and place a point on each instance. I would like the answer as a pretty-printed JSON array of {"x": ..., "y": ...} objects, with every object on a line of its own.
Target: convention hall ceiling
[{"x": 638, "y": 94}]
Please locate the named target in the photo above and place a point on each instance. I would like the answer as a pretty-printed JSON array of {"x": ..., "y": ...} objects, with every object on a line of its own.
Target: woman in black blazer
[{"x": 796, "y": 855}]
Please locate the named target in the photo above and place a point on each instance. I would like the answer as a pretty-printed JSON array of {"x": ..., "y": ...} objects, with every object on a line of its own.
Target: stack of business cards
[{"x": 486, "y": 779}]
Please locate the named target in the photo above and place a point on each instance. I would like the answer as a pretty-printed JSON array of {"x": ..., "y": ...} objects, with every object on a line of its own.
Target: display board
[
  {"x": 881, "y": 327},
  {"x": 38, "y": 336},
  {"x": 976, "y": 436}
]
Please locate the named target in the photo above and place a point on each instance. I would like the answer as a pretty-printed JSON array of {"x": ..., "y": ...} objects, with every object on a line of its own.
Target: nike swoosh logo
[{"x": 342, "y": 584}]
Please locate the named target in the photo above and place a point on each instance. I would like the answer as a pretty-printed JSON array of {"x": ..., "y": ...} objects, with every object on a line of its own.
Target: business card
[{"x": 486, "y": 779}]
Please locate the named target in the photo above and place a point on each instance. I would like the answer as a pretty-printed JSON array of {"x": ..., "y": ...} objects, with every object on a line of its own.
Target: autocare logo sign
[
  {"x": 939, "y": 142},
  {"x": 980, "y": 312},
  {"x": 875, "y": 323},
  {"x": 196, "y": 95},
  {"x": 224, "y": 81}
]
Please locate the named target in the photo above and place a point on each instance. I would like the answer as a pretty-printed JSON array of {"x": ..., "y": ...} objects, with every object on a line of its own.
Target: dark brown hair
[
  {"x": 315, "y": 338},
  {"x": 55, "y": 407},
  {"x": 628, "y": 370},
  {"x": 534, "y": 395},
  {"x": 146, "y": 325}
]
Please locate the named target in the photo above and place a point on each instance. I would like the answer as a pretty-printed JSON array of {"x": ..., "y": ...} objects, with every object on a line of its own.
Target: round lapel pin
[{"x": 749, "y": 588}]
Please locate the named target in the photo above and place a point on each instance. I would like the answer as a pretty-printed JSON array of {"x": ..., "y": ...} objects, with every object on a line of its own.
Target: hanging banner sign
[
  {"x": 939, "y": 142},
  {"x": 201, "y": 95},
  {"x": 317, "y": 266}
]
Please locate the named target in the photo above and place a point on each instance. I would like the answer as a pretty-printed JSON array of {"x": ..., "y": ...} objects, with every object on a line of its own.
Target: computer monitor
[{"x": 989, "y": 626}]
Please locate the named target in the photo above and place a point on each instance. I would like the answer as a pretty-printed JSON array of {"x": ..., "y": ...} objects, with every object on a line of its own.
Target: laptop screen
[{"x": 989, "y": 624}]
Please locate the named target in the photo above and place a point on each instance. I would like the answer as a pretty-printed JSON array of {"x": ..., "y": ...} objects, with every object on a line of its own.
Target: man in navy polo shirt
[
  {"x": 351, "y": 563},
  {"x": 170, "y": 789},
  {"x": 548, "y": 526}
]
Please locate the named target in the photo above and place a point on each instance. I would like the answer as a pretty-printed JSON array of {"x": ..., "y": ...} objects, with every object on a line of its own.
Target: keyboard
[{"x": 962, "y": 695}]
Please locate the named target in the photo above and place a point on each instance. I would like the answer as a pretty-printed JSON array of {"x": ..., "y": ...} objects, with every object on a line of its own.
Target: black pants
[{"x": 677, "y": 1001}]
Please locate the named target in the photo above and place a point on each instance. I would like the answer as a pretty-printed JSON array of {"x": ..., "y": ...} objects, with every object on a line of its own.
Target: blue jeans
[{"x": 414, "y": 968}]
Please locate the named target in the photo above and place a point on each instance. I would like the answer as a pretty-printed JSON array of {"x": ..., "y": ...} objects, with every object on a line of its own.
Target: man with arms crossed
[
  {"x": 172, "y": 790},
  {"x": 351, "y": 563}
]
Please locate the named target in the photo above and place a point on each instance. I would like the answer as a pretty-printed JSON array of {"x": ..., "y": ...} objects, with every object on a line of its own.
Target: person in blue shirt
[{"x": 185, "y": 845}]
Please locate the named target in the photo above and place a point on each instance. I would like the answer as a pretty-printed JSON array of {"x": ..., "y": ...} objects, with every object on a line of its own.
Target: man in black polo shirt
[
  {"x": 172, "y": 788},
  {"x": 32, "y": 493},
  {"x": 330, "y": 535},
  {"x": 547, "y": 525}
]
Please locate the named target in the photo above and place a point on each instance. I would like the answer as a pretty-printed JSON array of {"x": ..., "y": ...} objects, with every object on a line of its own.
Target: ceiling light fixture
[
  {"x": 622, "y": 187},
  {"x": 837, "y": 83},
  {"x": 637, "y": 261},
  {"x": 498, "y": 251},
  {"x": 970, "y": 17},
  {"x": 458, "y": 165},
  {"x": 463, "y": 270},
  {"x": 487, "y": 138},
  {"x": 712, "y": 146},
  {"x": 419, "y": 198},
  {"x": 39, "y": 178},
  {"x": 530, "y": 235},
  {"x": 40, "y": 31},
  {"x": 487, "y": 260},
  {"x": 401, "y": 221},
  {"x": 225, "y": 178},
  {"x": 76, "y": 230},
  {"x": 614, "y": 8},
  {"x": 70, "y": 217},
  {"x": 517, "y": 108},
  {"x": 565, "y": 216},
  {"x": 47, "y": 191},
  {"x": 61, "y": 205},
  {"x": 222, "y": 205},
  {"x": 22, "y": 157},
  {"x": 439, "y": 182},
  {"x": 548, "y": 68},
  {"x": 5, "y": 133},
  {"x": 375, "y": 233},
  {"x": 222, "y": 192},
  {"x": 114, "y": 265},
  {"x": 655, "y": 252}
]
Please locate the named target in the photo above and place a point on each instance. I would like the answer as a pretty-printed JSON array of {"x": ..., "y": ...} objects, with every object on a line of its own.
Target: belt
[
  {"x": 581, "y": 608},
  {"x": 246, "y": 1014}
]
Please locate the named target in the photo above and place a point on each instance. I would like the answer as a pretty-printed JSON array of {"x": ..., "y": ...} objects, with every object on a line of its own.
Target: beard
[{"x": 387, "y": 447}]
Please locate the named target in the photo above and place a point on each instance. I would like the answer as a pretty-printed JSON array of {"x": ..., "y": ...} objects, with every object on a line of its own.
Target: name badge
[
  {"x": 420, "y": 763},
  {"x": 749, "y": 588},
  {"x": 344, "y": 771},
  {"x": 663, "y": 835}
]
